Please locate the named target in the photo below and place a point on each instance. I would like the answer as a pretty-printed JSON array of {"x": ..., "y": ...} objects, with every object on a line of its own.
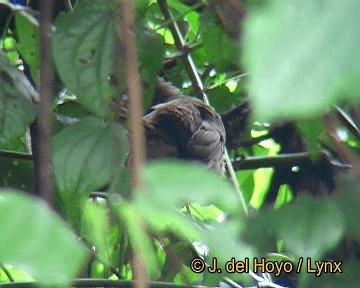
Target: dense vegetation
[{"x": 283, "y": 74}]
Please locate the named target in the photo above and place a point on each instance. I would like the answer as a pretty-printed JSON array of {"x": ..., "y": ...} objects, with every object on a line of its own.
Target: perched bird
[{"x": 184, "y": 128}]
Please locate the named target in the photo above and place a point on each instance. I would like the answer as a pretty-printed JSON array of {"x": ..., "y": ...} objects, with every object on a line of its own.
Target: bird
[{"x": 185, "y": 128}]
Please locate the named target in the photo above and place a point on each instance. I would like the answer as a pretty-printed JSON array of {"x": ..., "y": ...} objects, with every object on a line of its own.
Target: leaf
[
  {"x": 95, "y": 229},
  {"x": 176, "y": 183},
  {"x": 179, "y": 7},
  {"x": 302, "y": 56},
  {"x": 348, "y": 278},
  {"x": 224, "y": 243},
  {"x": 309, "y": 227},
  {"x": 222, "y": 99},
  {"x": 28, "y": 42},
  {"x": 220, "y": 49},
  {"x": 86, "y": 154},
  {"x": 311, "y": 129},
  {"x": 16, "y": 108},
  {"x": 83, "y": 47},
  {"x": 247, "y": 183},
  {"x": 171, "y": 185},
  {"x": 348, "y": 201},
  {"x": 42, "y": 244},
  {"x": 140, "y": 241}
]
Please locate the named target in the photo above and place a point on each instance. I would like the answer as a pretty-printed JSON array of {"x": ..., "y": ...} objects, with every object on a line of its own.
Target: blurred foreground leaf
[
  {"x": 34, "y": 239},
  {"x": 302, "y": 56}
]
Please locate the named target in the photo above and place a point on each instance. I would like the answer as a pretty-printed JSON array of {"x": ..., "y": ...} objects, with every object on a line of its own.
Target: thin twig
[
  {"x": 137, "y": 141},
  {"x": 45, "y": 182},
  {"x": 68, "y": 5},
  {"x": 198, "y": 89},
  {"x": 237, "y": 78},
  {"x": 7, "y": 273},
  {"x": 345, "y": 119},
  {"x": 232, "y": 283},
  {"x": 15, "y": 155}
]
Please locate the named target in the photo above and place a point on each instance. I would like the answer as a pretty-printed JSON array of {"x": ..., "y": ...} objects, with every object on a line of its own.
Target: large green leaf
[
  {"x": 83, "y": 49},
  {"x": 302, "y": 56},
  {"x": 176, "y": 184},
  {"x": 131, "y": 216},
  {"x": 86, "y": 155},
  {"x": 348, "y": 200},
  {"x": 309, "y": 227},
  {"x": 16, "y": 108},
  {"x": 41, "y": 244},
  {"x": 171, "y": 185}
]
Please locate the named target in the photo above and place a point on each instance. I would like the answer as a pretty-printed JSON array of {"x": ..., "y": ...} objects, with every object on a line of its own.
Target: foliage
[{"x": 295, "y": 60}]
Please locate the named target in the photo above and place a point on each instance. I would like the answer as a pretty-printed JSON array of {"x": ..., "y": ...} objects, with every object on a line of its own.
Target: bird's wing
[{"x": 207, "y": 145}]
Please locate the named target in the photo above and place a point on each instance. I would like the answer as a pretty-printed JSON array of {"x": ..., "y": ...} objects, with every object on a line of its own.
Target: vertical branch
[
  {"x": 199, "y": 89},
  {"x": 44, "y": 168},
  {"x": 137, "y": 141}
]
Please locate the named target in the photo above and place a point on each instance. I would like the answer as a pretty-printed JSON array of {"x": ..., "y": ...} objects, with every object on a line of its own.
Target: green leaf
[
  {"x": 171, "y": 185},
  {"x": 28, "y": 42},
  {"x": 176, "y": 184},
  {"x": 83, "y": 47},
  {"x": 309, "y": 227},
  {"x": 96, "y": 229},
  {"x": 16, "y": 108},
  {"x": 227, "y": 234},
  {"x": 42, "y": 244},
  {"x": 348, "y": 278},
  {"x": 348, "y": 201},
  {"x": 179, "y": 7},
  {"x": 285, "y": 195},
  {"x": 86, "y": 154},
  {"x": 220, "y": 49},
  {"x": 222, "y": 99},
  {"x": 311, "y": 129},
  {"x": 302, "y": 56},
  {"x": 140, "y": 241},
  {"x": 262, "y": 181}
]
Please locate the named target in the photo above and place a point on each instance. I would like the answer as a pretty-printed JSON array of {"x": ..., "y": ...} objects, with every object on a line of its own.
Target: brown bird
[{"x": 184, "y": 128}]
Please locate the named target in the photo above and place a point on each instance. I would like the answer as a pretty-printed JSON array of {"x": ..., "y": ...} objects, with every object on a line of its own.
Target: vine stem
[
  {"x": 45, "y": 177},
  {"x": 199, "y": 90},
  {"x": 137, "y": 141}
]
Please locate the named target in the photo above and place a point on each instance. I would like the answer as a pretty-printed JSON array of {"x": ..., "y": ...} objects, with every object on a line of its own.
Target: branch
[
  {"x": 15, "y": 155},
  {"x": 198, "y": 88},
  {"x": 137, "y": 141},
  {"x": 44, "y": 171},
  {"x": 279, "y": 161},
  {"x": 348, "y": 122}
]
